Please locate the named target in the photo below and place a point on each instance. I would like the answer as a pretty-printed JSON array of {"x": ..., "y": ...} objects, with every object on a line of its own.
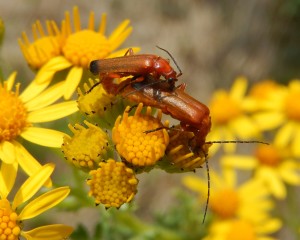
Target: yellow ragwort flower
[
  {"x": 179, "y": 154},
  {"x": 241, "y": 229},
  {"x": 273, "y": 165},
  {"x": 44, "y": 47},
  {"x": 13, "y": 214},
  {"x": 283, "y": 111},
  {"x": 20, "y": 112},
  {"x": 87, "y": 147},
  {"x": 229, "y": 116},
  {"x": 133, "y": 142},
  {"x": 79, "y": 46},
  {"x": 94, "y": 99},
  {"x": 227, "y": 200},
  {"x": 112, "y": 184}
]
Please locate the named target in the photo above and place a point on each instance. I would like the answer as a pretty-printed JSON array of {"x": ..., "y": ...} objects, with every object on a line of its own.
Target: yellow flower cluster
[
  {"x": 133, "y": 142},
  {"x": 97, "y": 101},
  {"x": 87, "y": 147},
  {"x": 112, "y": 184}
]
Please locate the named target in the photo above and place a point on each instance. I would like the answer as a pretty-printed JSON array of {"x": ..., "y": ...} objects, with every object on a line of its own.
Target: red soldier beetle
[
  {"x": 139, "y": 66},
  {"x": 193, "y": 115}
]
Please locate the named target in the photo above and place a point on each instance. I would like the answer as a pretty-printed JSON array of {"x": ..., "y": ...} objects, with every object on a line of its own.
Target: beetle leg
[{"x": 129, "y": 52}]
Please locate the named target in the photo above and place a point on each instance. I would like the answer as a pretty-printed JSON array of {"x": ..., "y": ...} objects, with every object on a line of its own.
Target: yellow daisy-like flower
[
  {"x": 134, "y": 143},
  {"x": 241, "y": 229},
  {"x": 179, "y": 154},
  {"x": 94, "y": 99},
  {"x": 273, "y": 165},
  {"x": 229, "y": 116},
  {"x": 87, "y": 147},
  {"x": 284, "y": 111},
  {"x": 20, "y": 112},
  {"x": 227, "y": 200},
  {"x": 80, "y": 46},
  {"x": 112, "y": 184},
  {"x": 13, "y": 214},
  {"x": 44, "y": 47}
]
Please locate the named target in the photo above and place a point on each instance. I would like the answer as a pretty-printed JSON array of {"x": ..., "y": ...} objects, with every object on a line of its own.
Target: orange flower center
[
  {"x": 292, "y": 106},
  {"x": 223, "y": 109},
  {"x": 84, "y": 46},
  {"x": 13, "y": 114},
  {"x": 261, "y": 89},
  {"x": 9, "y": 228},
  {"x": 268, "y": 155},
  {"x": 241, "y": 230},
  {"x": 224, "y": 203}
]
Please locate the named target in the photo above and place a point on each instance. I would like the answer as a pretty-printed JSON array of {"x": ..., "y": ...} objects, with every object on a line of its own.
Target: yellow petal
[
  {"x": 244, "y": 127},
  {"x": 50, "y": 68},
  {"x": 27, "y": 162},
  {"x": 294, "y": 85},
  {"x": 295, "y": 147},
  {"x": 53, "y": 112},
  {"x": 229, "y": 177},
  {"x": 195, "y": 183},
  {"x": 44, "y": 202},
  {"x": 118, "y": 31},
  {"x": 269, "y": 226},
  {"x": 53, "y": 232},
  {"x": 11, "y": 80},
  {"x": 274, "y": 184},
  {"x": 102, "y": 26},
  {"x": 7, "y": 152},
  {"x": 239, "y": 88},
  {"x": 7, "y": 178},
  {"x": 290, "y": 172},
  {"x": 217, "y": 181},
  {"x": 214, "y": 136},
  {"x": 228, "y": 134},
  {"x": 239, "y": 161},
  {"x": 32, "y": 185},
  {"x": 33, "y": 90},
  {"x": 284, "y": 134},
  {"x": 220, "y": 133},
  {"x": 43, "y": 136},
  {"x": 121, "y": 38},
  {"x": 46, "y": 98},
  {"x": 72, "y": 81},
  {"x": 269, "y": 120}
]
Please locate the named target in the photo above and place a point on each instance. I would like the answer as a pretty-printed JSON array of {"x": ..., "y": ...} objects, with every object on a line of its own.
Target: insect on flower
[
  {"x": 138, "y": 65},
  {"x": 146, "y": 87},
  {"x": 193, "y": 115}
]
